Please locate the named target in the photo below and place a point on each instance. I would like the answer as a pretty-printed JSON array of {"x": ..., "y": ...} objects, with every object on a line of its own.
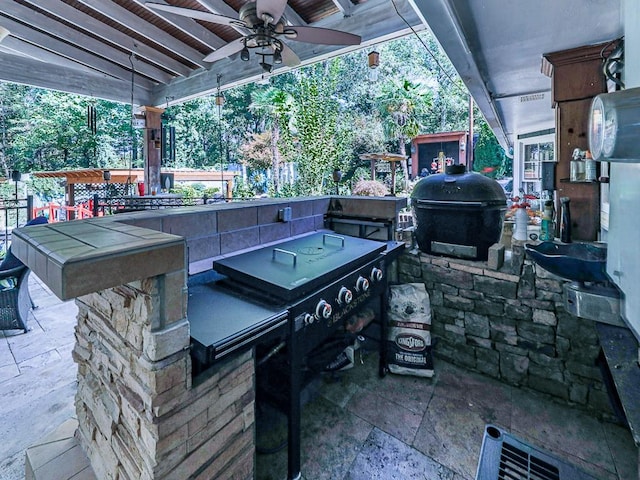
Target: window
[{"x": 532, "y": 152}]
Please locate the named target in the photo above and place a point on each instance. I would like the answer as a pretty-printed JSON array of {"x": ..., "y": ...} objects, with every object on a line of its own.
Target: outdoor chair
[{"x": 15, "y": 301}]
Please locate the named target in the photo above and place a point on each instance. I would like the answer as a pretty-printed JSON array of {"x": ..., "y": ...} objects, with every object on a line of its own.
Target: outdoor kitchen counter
[
  {"x": 85, "y": 256},
  {"x": 82, "y": 257}
]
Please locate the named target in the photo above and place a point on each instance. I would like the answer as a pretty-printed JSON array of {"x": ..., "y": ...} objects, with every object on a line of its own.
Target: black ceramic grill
[
  {"x": 505, "y": 457},
  {"x": 458, "y": 213}
]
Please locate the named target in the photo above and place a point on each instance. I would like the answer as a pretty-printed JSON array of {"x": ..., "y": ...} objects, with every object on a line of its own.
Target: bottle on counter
[
  {"x": 565, "y": 220},
  {"x": 577, "y": 166},
  {"x": 547, "y": 230},
  {"x": 521, "y": 223}
]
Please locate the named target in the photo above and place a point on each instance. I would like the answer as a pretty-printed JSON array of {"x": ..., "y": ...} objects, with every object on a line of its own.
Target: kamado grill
[
  {"x": 458, "y": 213},
  {"x": 318, "y": 281}
]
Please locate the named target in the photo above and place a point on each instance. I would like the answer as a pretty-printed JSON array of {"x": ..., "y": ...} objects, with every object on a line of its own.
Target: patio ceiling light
[
  {"x": 374, "y": 59},
  {"x": 244, "y": 54}
]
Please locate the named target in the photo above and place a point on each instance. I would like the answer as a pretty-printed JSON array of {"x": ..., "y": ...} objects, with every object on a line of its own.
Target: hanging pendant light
[
  {"x": 219, "y": 98},
  {"x": 244, "y": 54},
  {"x": 374, "y": 59}
]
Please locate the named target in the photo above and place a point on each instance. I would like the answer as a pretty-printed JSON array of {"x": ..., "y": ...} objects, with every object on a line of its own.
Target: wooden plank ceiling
[{"x": 124, "y": 50}]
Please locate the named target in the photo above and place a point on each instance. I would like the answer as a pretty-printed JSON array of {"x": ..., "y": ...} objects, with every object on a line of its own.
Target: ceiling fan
[{"x": 263, "y": 24}]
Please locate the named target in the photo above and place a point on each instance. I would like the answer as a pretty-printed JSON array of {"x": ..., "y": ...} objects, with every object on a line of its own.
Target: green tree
[
  {"x": 315, "y": 127},
  {"x": 399, "y": 104},
  {"x": 488, "y": 156},
  {"x": 274, "y": 107}
]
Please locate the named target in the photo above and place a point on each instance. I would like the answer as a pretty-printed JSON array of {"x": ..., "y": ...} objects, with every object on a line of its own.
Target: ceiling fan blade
[
  {"x": 273, "y": 8},
  {"x": 323, "y": 36},
  {"x": 196, "y": 14},
  {"x": 289, "y": 57},
  {"x": 226, "y": 51}
]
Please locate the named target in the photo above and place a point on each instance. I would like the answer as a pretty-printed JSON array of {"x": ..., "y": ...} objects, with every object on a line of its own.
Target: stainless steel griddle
[{"x": 294, "y": 268}]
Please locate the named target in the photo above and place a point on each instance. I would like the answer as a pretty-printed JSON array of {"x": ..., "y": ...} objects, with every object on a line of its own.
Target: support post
[{"x": 152, "y": 160}]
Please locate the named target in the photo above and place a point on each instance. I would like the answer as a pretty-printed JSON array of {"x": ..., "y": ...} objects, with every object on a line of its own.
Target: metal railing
[
  {"x": 120, "y": 204},
  {"x": 13, "y": 214}
]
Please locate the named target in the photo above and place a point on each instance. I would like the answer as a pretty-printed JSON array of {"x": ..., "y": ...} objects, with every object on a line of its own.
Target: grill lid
[
  {"x": 294, "y": 268},
  {"x": 458, "y": 188}
]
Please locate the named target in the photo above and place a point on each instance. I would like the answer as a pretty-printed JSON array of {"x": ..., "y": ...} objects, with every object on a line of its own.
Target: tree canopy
[{"x": 288, "y": 135}]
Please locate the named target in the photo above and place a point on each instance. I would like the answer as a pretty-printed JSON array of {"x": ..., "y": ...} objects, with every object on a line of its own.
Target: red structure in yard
[{"x": 437, "y": 147}]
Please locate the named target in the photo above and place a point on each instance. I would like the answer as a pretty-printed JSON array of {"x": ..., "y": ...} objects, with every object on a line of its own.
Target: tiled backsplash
[{"x": 215, "y": 230}]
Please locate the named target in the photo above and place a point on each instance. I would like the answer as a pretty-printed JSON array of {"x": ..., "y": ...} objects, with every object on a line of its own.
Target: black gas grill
[{"x": 319, "y": 280}]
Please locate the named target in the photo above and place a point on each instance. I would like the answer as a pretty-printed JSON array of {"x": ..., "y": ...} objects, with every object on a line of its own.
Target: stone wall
[
  {"x": 140, "y": 414},
  {"x": 223, "y": 228},
  {"x": 510, "y": 324}
]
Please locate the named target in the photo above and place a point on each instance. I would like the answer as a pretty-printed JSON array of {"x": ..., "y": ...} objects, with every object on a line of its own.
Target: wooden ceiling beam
[
  {"x": 111, "y": 35},
  {"x": 58, "y": 36},
  {"x": 135, "y": 23},
  {"x": 27, "y": 41},
  {"x": 344, "y": 6},
  {"x": 37, "y": 74}
]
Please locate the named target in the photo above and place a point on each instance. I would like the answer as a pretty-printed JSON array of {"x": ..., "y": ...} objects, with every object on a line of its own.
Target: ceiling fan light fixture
[
  {"x": 290, "y": 34},
  {"x": 267, "y": 67},
  {"x": 374, "y": 59},
  {"x": 244, "y": 54}
]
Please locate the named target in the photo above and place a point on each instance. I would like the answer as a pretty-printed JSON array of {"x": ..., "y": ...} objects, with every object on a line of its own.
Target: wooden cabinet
[
  {"x": 572, "y": 121},
  {"x": 576, "y": 78}
]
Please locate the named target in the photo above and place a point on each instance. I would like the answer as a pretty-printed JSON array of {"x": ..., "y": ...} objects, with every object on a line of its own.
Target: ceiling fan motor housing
[{"x": 249, "y": 15}]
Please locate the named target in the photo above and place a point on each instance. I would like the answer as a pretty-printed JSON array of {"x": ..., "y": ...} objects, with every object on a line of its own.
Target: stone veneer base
[{"x": 510, "y": 324}]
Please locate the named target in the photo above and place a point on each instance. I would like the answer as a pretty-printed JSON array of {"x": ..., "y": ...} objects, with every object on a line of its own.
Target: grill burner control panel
[{"x": 318, "y": 315}]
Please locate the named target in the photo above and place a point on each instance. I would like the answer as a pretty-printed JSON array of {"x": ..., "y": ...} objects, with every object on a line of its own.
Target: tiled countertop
[
  {"x": 77, "y": 258},
  {"x": 84, "y": 256}
]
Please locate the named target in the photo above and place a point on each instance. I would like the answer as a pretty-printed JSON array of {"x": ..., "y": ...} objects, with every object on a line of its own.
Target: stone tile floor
[
  {"x": 355, "y": 425},
  {"x": 37, "y": 378}
]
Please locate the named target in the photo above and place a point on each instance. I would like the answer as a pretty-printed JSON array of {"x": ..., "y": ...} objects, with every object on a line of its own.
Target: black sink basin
[{"x": 579, "y": 262}]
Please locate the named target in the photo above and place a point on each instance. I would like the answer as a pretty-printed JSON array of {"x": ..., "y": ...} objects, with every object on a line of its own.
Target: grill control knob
[
  {"x": 309, "y": 319},
  {"x": 323, "y": 309},
  {"x": 362, "y": 284},
  {"x": 344, "y": 296},
  {"x": 376, "y": 274}
]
